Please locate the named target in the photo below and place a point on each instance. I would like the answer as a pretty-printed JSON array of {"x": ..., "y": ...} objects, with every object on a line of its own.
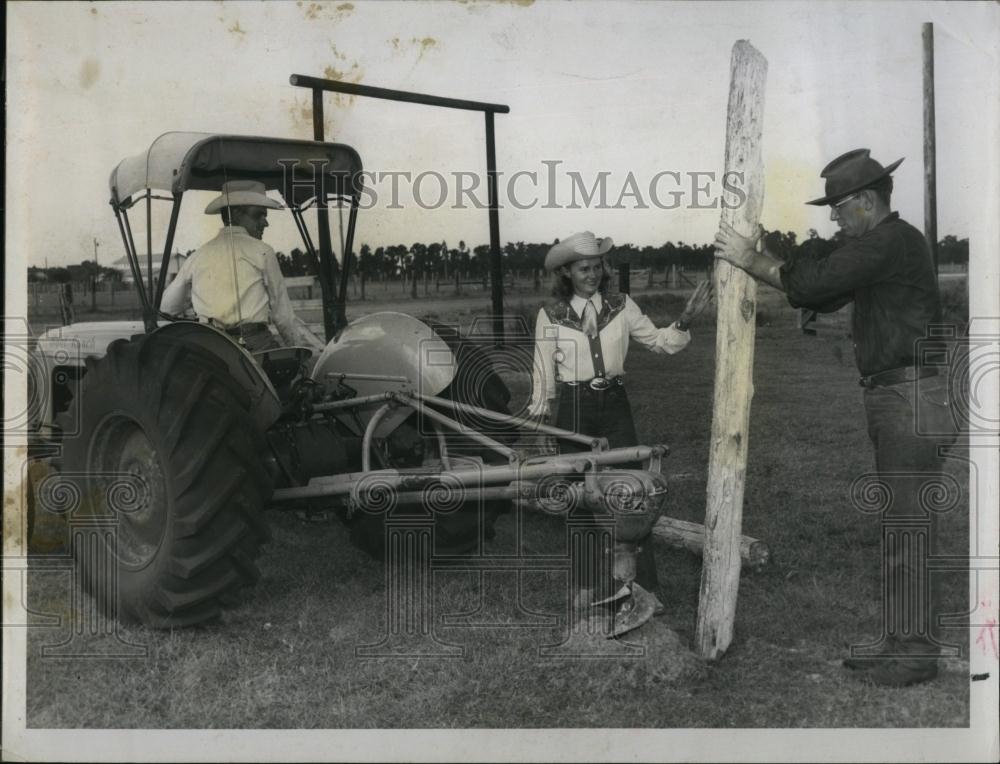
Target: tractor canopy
[{"x": 181, "y": 161}]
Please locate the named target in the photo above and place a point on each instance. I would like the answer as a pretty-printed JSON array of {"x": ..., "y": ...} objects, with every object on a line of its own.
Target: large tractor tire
[{"x": 172, "y": 479}]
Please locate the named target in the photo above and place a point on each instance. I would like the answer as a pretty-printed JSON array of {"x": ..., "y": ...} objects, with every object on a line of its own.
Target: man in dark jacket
[{"x": 886, "y": 270}]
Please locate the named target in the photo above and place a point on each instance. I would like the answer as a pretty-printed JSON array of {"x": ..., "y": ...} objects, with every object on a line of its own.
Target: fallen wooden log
[
  {"x": 754, "y": 553},
  {"x": 683, "y": 534}
]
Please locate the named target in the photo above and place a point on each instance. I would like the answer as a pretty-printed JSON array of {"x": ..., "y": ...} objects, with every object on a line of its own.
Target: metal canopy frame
[
  {"x": 195, "y": 161},
  {"x": 332, "y": 284},
  {"x": 327, "y": 282}
]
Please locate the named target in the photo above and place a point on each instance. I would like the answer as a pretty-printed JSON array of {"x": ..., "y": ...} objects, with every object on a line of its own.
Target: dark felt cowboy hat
[{"x": 850, "y": 172}]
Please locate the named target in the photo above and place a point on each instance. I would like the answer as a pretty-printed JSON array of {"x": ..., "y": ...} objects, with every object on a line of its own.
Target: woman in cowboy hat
[
  {"x": 233, "y": 281},
  {"x": 581, "y": 340}
]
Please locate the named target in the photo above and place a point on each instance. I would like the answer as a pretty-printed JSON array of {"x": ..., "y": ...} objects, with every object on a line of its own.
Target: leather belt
[
  {"x": 239, "y": 329},
  {"x": 897, "y": 376},
  {"x": 598, "y": 383}
]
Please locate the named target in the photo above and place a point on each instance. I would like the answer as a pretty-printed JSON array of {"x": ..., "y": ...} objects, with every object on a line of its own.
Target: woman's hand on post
[{"x": 698, "y": 301}]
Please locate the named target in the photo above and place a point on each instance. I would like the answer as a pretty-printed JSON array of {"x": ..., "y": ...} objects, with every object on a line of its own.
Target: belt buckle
[{"x": 600, "y": 383}]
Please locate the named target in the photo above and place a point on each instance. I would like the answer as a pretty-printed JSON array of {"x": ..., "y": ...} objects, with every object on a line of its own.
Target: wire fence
[{"x": 53, "y": 299}]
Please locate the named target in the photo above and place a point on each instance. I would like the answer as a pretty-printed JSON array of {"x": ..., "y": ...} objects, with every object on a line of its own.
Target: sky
[{"x": 621, "y": 88}]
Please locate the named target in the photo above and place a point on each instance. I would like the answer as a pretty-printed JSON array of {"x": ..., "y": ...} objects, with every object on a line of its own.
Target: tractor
[{"x": 179, "y": 438}]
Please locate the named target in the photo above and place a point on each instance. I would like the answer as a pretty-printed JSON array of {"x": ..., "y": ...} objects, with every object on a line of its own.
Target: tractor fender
[
  {"x": 58, "y": 356},
  {"x": 244, "y": 370}
]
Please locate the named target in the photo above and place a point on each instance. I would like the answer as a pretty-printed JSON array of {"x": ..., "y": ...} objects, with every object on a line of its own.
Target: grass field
[{"x": 284, "y": 656}]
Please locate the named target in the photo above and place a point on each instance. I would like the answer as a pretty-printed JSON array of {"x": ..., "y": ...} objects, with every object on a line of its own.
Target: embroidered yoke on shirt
[{"x": 563, "y": 351}]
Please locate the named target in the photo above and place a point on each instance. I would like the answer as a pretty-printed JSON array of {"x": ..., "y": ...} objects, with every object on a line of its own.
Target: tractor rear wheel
[{"x": 172, "y": 482}]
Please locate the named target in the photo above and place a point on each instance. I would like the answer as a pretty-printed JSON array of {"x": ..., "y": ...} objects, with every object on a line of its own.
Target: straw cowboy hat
[
  {"x": 579, "y": 246},
  {"x": 850, "y": 172},
  {"x": 242, "y": 193}
]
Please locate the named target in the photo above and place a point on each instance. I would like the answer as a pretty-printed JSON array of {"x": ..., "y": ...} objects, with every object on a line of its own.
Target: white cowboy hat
[
  {"x": 579, "y": 246},
  {"x": 242, "y": 193}
]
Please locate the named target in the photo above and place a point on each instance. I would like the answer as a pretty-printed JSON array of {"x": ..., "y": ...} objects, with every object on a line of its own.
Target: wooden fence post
[
  {"x": 66, "y": 303},
  {"x": 736, "y": 297},
  {"x": 623, "y": 279}
]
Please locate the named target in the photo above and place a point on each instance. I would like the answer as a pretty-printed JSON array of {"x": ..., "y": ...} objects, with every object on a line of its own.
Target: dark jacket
[{"x": 889, "y": 275}]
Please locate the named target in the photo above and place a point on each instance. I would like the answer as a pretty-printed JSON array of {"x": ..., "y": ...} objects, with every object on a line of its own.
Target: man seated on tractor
[{"x": 233, "y": 282}]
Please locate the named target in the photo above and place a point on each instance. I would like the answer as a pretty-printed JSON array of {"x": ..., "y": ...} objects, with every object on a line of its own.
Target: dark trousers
[
  {"x": 603, "y": 413},
  {"x": 606, "y": 413},
  {"x": 907, "y": 423},
  {"x": 257, "y": 339}
]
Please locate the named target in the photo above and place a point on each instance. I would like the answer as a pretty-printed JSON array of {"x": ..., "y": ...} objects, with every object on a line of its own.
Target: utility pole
[
  {"x": 930, "y": 155},
  {"x": 93, "y": 280}
]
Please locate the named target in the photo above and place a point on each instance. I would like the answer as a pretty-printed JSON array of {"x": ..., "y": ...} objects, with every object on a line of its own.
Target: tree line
[
  {"x": 438, "y": 260},
  {"x": 64, "y": 274},
  {"x": 400, "y": 261},
  {"x": 442, "y": 262}
]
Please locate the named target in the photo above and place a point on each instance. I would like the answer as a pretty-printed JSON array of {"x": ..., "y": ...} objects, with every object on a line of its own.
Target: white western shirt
[
  {"x": 233, "y": 279},
  {"x": 562, "y": 350}
]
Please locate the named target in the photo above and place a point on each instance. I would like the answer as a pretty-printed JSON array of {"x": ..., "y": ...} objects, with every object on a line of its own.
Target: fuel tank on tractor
[{"x": 386, "y": 352}]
